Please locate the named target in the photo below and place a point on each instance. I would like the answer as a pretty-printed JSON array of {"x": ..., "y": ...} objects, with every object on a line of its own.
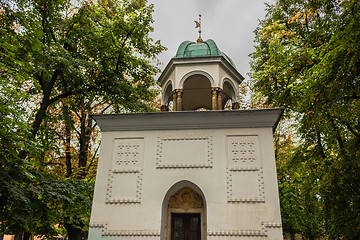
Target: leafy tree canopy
[
  {"x": 56, "y": 58},
  {"x": 307, "y": 60}
]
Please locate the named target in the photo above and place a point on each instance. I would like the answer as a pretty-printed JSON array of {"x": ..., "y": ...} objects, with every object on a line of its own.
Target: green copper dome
[{"x": 189, "y": 49}]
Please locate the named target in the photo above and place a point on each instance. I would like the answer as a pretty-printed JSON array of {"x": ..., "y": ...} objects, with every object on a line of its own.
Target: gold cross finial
[{"x": 198, "y": 25}]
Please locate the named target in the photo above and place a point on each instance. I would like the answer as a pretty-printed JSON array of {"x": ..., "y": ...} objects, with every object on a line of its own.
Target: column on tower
[
  {"x": 219, "y": 99},
  {"x": 179, "y": 99},
  {"x": 214, "y": 98},
  {"x": 174, "y": 98}
]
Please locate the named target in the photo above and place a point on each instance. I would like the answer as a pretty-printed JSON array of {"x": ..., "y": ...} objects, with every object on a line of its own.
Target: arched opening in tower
[
  {"x": 167, "y": 98},
  {"x": 196, "y": 93},
  {"x": 228, "y": 96}
]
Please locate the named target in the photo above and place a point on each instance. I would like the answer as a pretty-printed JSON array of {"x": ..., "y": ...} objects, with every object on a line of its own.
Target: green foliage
[
  {"x": 57, "y": 61},
  {"x": 73, "y": 199},
  {"x": 307, "y": 60}
]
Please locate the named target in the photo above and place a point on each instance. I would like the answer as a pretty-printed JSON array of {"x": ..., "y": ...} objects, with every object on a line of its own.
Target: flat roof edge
[{"x": 260, "y": 118}]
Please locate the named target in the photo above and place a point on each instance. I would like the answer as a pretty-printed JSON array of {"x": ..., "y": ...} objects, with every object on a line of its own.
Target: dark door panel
[{"x": 185, "y": 226}]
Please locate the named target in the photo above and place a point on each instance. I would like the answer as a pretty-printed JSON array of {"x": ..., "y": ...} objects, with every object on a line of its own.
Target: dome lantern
[{"x": 200, "y": 76}]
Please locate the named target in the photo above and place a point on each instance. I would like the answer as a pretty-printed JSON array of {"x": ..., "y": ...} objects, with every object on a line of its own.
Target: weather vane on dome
[{"x": 198, "y": 25}]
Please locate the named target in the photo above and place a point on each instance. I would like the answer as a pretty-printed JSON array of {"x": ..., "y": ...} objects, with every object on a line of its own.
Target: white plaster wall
[
  {"x": 246, "y": 220},
  {"x": 182, "y": 70}
]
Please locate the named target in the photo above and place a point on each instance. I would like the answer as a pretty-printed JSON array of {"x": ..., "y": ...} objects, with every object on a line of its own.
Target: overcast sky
[{"x": 230, "y": 23}]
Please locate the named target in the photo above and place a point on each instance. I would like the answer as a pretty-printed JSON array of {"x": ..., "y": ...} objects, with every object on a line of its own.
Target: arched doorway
[{"x": 184, "y": 213}]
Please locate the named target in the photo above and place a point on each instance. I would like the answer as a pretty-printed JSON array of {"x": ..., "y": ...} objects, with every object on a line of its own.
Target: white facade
[{"x": 227, "y": 157}]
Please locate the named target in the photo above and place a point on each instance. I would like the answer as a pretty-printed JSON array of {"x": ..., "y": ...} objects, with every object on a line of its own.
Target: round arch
[
  {"x": 196, "y": 92},
  {"x": 167, "y": 92},
  {"x": 196, "y": 72},
  {"x": 233, "y": 87},
  {"x": 166, "y": 212}
]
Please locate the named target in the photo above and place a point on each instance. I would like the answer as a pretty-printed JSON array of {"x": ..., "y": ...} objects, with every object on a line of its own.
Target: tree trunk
[
  {"x": 74, "y": 233},
  {"x": 27, "y": 236},
  {"x": 84, "y": 139},
  {"x": 23, "y": 236},
  {"x": 18, "y": 237},
  {"x": 40, "y": 115},
  {"x": 67, "y": 151},
  {"x": 45, "y": 103}
]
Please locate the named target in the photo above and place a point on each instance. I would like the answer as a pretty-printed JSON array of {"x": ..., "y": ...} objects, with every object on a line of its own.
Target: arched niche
[
  {"x": 196, "y": 93},
  {"x": 229, "y": 92},
  {"x": 167, "y": 94},
  {"x": 184, "y": 202}
]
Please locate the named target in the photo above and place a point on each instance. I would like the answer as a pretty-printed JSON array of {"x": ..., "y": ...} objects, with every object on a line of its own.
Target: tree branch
[
  {"x": 351, "y": 97},
  {"x": 122, "y": 46},
  {"x": 103, "y": 111},
  {"x": 72, "y": 93},
  {"x": 306, "y": 21},
  {"x": 43, "y": 21},
  {"x": 349, "y": 127},
  {"x": 92, "y": 159}
]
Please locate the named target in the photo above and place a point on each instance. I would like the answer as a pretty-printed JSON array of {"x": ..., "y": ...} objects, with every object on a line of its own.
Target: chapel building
[{"x": 185, "y": 174}]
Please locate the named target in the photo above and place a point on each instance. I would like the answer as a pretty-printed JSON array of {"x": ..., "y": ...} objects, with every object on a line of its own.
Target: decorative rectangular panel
[
  {"x": 124, "y": 186},
  {"x": 184, "y": 152},
  {"x": 128, "y": 153},
  {"x": 125, "y": 176},
  {"x": 242, "y": 151},
  {"x": 245, "y": 185}
]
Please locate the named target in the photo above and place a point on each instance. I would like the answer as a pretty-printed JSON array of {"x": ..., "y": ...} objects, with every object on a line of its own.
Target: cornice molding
[
  {"x": 200, "y": 60},
  {"x": 263, "y": 118}
]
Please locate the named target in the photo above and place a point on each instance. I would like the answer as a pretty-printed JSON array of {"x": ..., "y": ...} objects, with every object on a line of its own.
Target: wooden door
[{"x": 185, "y": 226}]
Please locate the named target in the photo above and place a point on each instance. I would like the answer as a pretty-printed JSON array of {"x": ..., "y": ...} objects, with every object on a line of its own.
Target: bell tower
[{"x": 200, "y": 76}]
